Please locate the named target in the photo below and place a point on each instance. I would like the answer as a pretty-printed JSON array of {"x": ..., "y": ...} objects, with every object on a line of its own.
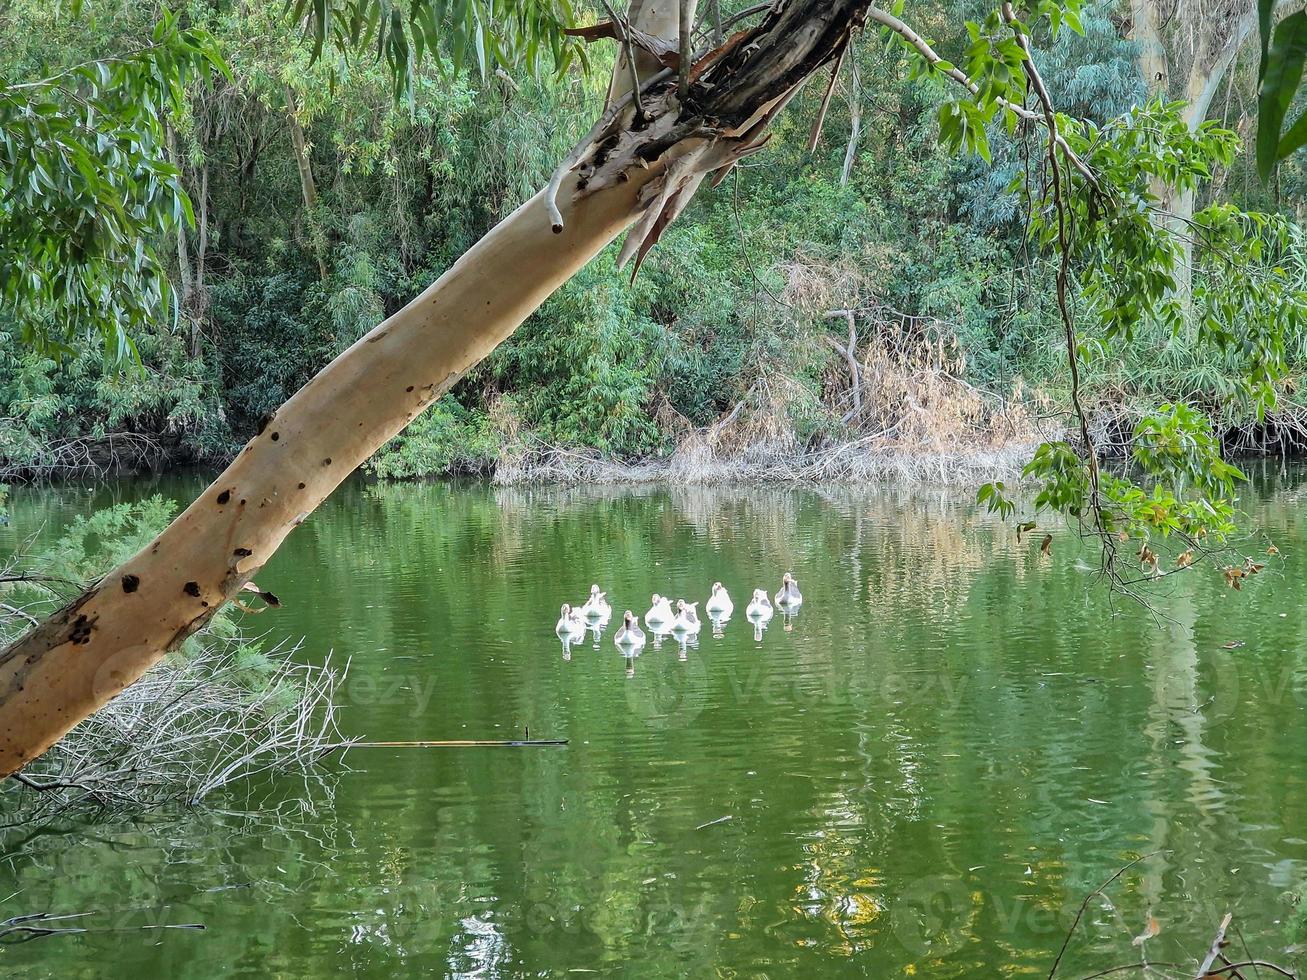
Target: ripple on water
[{"x": 949, "y": 746}]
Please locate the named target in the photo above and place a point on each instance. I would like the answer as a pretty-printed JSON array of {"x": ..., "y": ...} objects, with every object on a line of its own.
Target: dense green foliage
[
  {"x": 84, "y": 183},
  {"x": 322, "y": 203}
]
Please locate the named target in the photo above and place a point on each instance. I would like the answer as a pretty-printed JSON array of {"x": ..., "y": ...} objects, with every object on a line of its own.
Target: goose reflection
[
  {"x": 719, "y": 625},
  {"x": 788, "y": 616},
  {"x": 686, "y": 642},
  {"x": 661, "y": 631},
  {"x": 759, "y": 612}
]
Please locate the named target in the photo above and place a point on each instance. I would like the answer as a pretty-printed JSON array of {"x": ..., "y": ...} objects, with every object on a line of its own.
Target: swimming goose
[
  {"x": 596, "y": 607},
  {"x": 719, "y": 604},
  {"x": 630, "y": 637},
  {"x": 660, "y": 613},
  {"x": 570, "y": 625},
  {"x": 789, "y": 594},
  {"x": 759, "y": 606},
  {"x": 687, "y": 617}
]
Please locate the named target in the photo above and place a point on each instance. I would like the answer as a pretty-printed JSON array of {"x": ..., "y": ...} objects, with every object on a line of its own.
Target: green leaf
[{"x": 1280, "y": 81}]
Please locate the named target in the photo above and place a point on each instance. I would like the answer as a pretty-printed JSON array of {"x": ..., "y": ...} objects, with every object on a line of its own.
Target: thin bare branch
[{"x": 886, "y": 19}]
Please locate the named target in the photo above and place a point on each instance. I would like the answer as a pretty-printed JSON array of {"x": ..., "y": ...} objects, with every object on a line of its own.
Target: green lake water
[{"x": 951, "y": 745}]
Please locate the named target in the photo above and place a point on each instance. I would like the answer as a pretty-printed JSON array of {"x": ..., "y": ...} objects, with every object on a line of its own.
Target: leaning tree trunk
[{"x": 627, "y": 171}]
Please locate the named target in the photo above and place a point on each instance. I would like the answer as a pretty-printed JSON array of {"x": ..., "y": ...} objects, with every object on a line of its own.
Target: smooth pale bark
[
  {"x": 1215, "y": 45},
  {"x": 192, "y": 284},
  {"x": 97, "y": 645},
  {"x": 1152, "y": 53},
  {"x": 199, "y": 309},
  {"x": 855, "y": 122},
  {"x": 88, "y": 653}
]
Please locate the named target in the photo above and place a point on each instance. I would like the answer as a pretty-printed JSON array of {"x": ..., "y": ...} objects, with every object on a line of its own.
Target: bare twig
[
  {"x": 1217, "y": 945},
  {"x": 1257, "y": 964},
  {"x": 623, "y": 30},
  {"x": 1080, "y": 913}
]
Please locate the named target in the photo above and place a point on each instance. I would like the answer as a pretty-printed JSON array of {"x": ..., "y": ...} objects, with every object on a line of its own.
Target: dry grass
[
  {"x": 195, "y": 724},
  {"x": 893, "y": 406}
]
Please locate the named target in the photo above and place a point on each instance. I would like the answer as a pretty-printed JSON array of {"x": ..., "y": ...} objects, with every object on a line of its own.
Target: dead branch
[{"x": 1218, "y": 944}]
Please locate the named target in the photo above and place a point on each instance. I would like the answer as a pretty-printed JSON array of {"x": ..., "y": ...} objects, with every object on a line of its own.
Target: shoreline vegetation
[
  {"x": 918, "y": 424},
  {"x": 212, "y": 720},
  {"x": 893, "y": 408},
  {"x": 825, "y": 317}
]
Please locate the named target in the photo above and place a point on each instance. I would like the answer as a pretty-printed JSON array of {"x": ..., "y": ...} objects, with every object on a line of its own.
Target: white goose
[
  {"x": 789, "y": 596},
  {"x": 719, "y": 604},
  {"x": 660, "y": 613},
  {"x": 570, "y": 625},
  {"x": 596, "y": 607},
  {"x": 687, "y": 617},
  {"x": 630, "y": 638},
  {"x": 759, "y": 608}
]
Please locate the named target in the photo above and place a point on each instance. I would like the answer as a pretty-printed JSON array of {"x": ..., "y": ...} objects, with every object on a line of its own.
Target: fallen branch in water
[
  {"x": 195, "y": 724},
  {"x": 451, "y": 743},
  {"x": 25, "y": 928},
  {"x": 1218, "y": 944}
]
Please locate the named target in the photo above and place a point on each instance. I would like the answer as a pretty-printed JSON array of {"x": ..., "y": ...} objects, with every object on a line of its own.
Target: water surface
[{"x": 954, "y": 742}]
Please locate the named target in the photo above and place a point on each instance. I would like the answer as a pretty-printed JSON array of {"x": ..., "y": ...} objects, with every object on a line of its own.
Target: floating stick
[{"x": 454, "y": 743}]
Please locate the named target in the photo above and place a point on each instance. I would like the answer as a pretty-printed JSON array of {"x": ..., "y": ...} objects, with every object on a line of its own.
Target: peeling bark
[{"x": 89, "y": 651}]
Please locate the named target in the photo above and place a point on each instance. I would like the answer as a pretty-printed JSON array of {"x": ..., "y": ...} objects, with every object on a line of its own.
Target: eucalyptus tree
[
  {"x": 679, "y": 110},
  {"x": 1186, "y": 50},
  {"x": 674, "y": 116}
]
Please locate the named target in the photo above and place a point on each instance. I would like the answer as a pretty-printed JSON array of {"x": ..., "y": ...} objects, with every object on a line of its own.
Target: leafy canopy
[
  {"x": 85, "y": 188},
  {"x": 1094, "y": 208},
  {"x": 488, "y": 33}
]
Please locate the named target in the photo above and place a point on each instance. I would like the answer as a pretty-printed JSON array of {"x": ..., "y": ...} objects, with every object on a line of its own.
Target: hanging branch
[
  {"x": 1055, "y": 141},
  {"x": 916, "y": 41},
  {"x": 820, "y": 121}
]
